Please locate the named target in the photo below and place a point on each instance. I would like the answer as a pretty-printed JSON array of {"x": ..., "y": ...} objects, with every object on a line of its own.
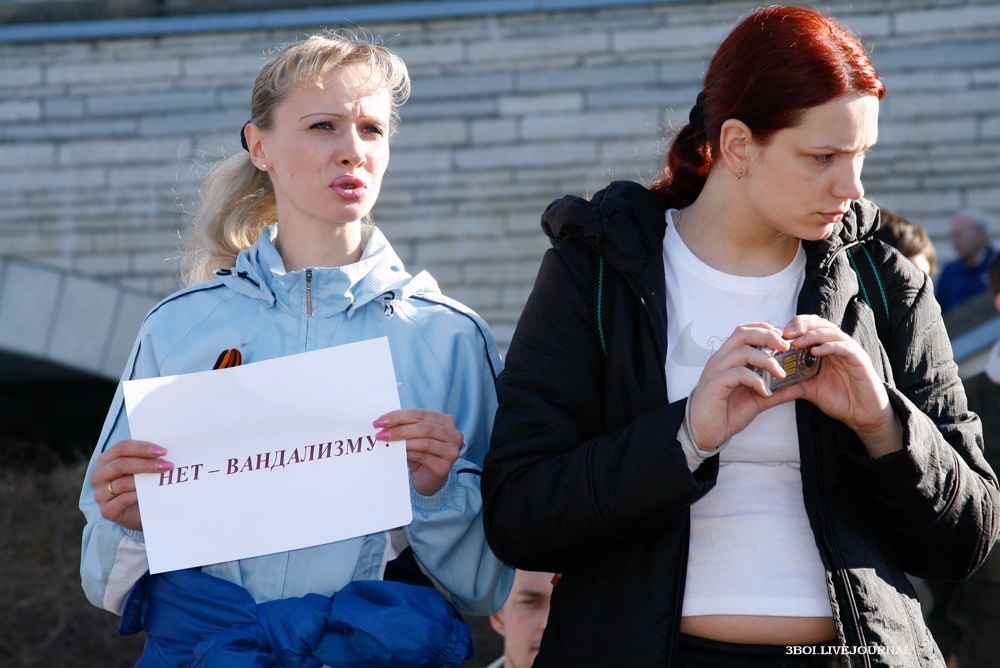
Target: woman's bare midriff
[{"x": 761, "y": 630}]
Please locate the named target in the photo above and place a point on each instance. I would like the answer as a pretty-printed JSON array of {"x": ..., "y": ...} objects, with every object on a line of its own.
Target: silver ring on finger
[{"x": 111, "y": 490}]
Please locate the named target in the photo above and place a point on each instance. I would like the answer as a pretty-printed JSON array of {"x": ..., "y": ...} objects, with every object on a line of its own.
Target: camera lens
[{"x": 808, "y": 360}]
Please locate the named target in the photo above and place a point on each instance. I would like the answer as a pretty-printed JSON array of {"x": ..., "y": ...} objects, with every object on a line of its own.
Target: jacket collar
[
  {"x": 830, "y": 282},
  {"x": 260, "y": 274},
  {"x": 860, "y": 223},
  {"x": 625, "y": 223}
]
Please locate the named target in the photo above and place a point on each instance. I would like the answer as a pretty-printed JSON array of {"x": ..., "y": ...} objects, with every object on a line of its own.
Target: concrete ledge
[{"x": 68, "y": 320}]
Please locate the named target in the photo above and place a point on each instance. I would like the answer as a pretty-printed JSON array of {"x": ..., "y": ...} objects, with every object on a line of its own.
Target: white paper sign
[{"x": 262, "y": 451}]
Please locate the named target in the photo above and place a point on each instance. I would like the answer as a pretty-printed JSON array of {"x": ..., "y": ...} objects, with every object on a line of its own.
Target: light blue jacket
[{"x": 445, "y": 360}]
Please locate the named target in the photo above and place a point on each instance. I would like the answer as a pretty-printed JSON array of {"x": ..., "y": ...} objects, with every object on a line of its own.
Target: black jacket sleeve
[
  {"x": 937, "y": 497},
  {"x": 559, "y": 485}
]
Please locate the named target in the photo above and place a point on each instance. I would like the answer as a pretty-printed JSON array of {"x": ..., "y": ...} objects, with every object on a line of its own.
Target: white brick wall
[{"x": 101, "y": 142}]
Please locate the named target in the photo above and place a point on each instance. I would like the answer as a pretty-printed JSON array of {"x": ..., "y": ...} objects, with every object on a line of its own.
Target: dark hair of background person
[
  {"x": 751, "y": 78},
  {"x": 907, "y": 237}
]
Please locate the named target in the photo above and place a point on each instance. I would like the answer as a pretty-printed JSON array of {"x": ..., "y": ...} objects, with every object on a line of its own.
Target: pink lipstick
[{"x": 349, "y": 187}]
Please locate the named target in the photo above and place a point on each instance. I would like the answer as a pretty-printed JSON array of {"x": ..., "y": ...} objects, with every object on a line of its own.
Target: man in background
[
  {"x": 965, "y": 277},
  {"x": 522, "y": 619}
]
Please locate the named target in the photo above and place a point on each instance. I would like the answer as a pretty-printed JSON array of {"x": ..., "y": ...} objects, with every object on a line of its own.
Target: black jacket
[{"x": 585, "y": 475}]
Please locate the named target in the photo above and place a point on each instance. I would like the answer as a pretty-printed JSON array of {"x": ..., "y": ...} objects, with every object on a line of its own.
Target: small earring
[
  {"x": 739, "y": 175},
  {"x": 263, "y": 167}
]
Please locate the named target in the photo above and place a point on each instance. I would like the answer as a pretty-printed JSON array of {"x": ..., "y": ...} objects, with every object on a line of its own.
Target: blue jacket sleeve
[
  {"x": 447, "y": 532},
  {"x": 112, "y": 558}
]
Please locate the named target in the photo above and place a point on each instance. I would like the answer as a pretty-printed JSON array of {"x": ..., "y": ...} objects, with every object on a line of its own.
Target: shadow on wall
[{"x": 44, "y": 424}]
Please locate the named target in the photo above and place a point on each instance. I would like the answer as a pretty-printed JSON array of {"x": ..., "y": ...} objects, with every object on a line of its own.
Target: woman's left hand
[
  {"x": 847, "y": 388},
  {"x": 433, "y": 443}
]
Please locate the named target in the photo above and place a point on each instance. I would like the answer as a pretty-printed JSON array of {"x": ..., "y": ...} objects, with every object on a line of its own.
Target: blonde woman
[{"x": 281, "y": 259}]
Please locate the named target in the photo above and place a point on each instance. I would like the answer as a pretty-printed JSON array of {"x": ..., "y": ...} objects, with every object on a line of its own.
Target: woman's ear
[
  {"x": 255, "y": 145},
  {"x": 735, "y": 145}
]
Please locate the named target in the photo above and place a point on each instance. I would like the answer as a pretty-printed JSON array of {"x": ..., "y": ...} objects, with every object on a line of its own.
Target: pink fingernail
[
  {"x": 381, "y": 422},
  {"x": 158, "y": 451},
  {"x": 382, "y": 435},
  {"x": 164, "y": 465}
]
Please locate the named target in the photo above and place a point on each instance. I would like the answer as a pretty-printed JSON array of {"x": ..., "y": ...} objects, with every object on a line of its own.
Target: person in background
[
  {"x": 522, "y": 619},
  {"x": 965, "y": 276},
  {"x": 993, "y": 364},
  {"x": 703, "y": 511},
  {"x": 298, "y": 267},
  {"x": 966, "y": 615},
  {"x": 908, "y": 238},
  {"x": 975, "y": 606}
]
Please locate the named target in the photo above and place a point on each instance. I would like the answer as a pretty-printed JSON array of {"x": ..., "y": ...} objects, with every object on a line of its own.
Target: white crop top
[{"x": 752, "y": 551}]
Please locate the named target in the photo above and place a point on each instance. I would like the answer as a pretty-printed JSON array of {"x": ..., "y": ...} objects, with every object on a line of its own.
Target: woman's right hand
[
  {"x": 114, "y": 479},
  {"x": 730, "y": 394}
]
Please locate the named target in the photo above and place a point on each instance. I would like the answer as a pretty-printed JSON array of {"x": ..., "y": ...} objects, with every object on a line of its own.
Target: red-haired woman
[{"x": 702, "y": 510}]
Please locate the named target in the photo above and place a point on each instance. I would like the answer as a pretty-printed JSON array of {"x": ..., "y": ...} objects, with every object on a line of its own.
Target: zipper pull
[
  {"x": 309, "y": 292},
  {"x": 387, "y": 306}
]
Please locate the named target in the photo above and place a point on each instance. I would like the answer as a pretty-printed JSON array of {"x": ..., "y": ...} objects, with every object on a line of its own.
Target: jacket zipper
[
  {"x": 828, "y": 260},
  {"x": 833, "y": 549},
  {"x": 829, "y": 538},
  {"x": 659, "y": 337},
  {"x": 309, "y": 292}
]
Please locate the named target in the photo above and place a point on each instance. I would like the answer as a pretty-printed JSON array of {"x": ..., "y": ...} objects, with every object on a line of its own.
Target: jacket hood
[
  {"x": 625, "y": 223},
  {"x": 260, "y": 274}
]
